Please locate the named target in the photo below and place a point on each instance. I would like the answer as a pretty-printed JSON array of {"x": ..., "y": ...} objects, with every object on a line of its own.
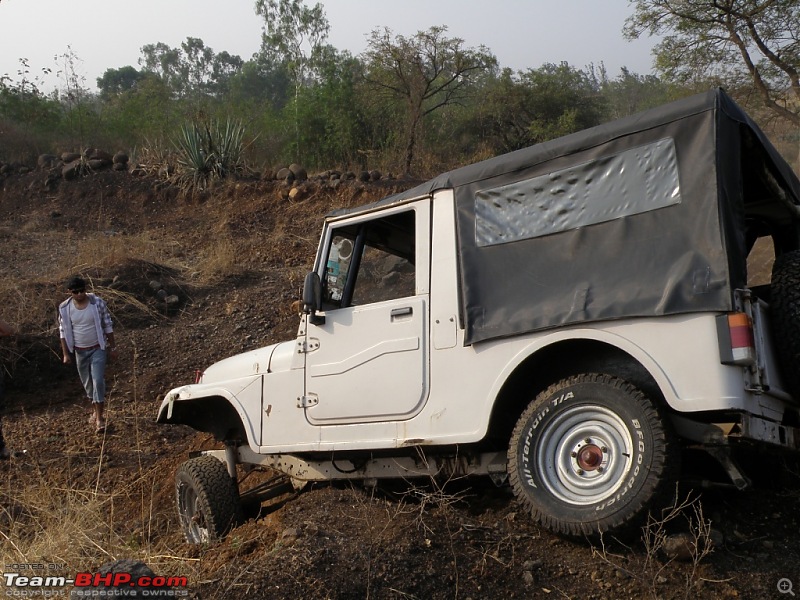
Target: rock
[
  {"x": 298, "y": 171},
  {"x": 298, "y": 193},
  {"x": 70, "y": 170},
  {"x": 285, "y": 174},
  {"x": 375, "y": 175},
  {"x": 95, "y": 164},
  {"x": 95, "y": 154},
  {"x": 528, "y": 578},
  {"x": 51, "y": 181},
  {"x": 68, "y": 157},
  {"x": 120, "y": 158},
  {"x": 46, "y": 161},
  {"x": 681, "y": 546},
  {"x": 120, "y": 166}
]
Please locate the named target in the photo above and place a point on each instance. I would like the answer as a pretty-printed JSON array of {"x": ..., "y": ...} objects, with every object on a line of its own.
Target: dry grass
[
  {"x": 657, "y": 565},
  {"x": 49, "y": 522},
  {"x": 62, "y": 507}
]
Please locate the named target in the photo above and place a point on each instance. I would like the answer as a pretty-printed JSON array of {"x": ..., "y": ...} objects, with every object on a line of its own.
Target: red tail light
[{"x": 737, "y": 341}]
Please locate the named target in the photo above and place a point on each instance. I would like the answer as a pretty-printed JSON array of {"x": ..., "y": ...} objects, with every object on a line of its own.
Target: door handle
[{"x": 401, "y": 312}]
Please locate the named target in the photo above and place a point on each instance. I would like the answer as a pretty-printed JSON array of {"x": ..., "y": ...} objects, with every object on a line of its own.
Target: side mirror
[{"x": 312, "y": 298}]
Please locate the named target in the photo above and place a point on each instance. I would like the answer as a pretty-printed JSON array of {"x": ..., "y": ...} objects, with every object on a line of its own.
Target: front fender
[{"x": 224, "y": 409}]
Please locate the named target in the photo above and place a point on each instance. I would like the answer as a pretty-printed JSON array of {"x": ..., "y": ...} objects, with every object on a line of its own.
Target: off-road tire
[
  {"x": 785, "y": 316},
  {"x": 207, "y": 498},
  {"x": 590, "y": 455}
]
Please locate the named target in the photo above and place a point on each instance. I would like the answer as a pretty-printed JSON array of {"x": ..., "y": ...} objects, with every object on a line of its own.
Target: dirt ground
[{"x": 235, "y": 258}]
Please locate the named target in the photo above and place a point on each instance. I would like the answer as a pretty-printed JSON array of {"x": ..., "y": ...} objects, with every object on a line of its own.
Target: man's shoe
[{"x": 101, "y": 426}]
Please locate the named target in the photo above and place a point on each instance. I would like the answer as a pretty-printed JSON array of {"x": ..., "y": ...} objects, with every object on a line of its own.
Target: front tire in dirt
[
  {"x": 589, "y": 455},
  {"x": 785, "y": 316},
  {"x": 207, "y": 498}
]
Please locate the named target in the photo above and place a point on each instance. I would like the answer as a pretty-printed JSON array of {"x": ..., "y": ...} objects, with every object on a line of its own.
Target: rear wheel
[
  {"x": 207, "y": 498},
  {"x": 589, "y": 455}
]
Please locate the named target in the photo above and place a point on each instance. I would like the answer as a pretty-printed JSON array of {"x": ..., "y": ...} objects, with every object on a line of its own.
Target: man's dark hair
[{"x": 76, "y": 283}]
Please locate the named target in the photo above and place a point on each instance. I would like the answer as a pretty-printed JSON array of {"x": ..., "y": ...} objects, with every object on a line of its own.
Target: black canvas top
[{"x": 643, "y": 216}]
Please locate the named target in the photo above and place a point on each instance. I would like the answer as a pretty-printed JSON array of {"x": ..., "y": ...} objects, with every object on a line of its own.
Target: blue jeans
[{"x": 92, "y": 370}]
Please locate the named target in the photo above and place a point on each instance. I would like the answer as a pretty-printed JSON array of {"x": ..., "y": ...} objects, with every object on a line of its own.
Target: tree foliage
[
  {"x": 424, "y": 102},
  {"x": 194, "y": 69},
  {"x": 425, "y": 72},
  {"x": 520, "y": 109},
  {"x": 293, "y": 33},
  {"x": 730, "y": 41},
  {"x": 116, "y": 81}
]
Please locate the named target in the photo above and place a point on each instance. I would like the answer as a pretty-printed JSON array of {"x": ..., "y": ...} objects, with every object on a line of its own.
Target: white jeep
[{"x": 562, "y": 319}]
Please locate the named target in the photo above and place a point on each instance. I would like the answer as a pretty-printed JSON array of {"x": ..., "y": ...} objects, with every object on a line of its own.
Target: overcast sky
[{"x": 522, "y": 34}]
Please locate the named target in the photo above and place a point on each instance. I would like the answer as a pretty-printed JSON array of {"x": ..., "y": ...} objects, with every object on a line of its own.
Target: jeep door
[{"x": 368, "y": 361}]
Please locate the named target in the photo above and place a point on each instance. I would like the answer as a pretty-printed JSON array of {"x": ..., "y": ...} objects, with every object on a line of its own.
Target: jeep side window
[{"x": 371, "y": 262}]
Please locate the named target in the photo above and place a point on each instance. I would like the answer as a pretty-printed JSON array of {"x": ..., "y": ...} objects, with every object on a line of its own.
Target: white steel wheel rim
[
  {"x": 584, "y": 455},
  {"x": 192, "y": 514}
]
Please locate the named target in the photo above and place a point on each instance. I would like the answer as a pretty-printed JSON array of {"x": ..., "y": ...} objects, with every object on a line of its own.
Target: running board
[{"x": 301, "y": 469}]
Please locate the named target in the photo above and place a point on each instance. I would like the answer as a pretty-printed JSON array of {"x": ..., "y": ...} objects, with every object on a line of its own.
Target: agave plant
[
  {"x": 195, "y": 155},
  {"x": 210, "y": 151},
  {"x": 228, "y": 147}
]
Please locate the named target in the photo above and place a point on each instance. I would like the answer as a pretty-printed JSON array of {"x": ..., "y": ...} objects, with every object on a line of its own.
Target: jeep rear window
[{"x": 635, "y": 181}]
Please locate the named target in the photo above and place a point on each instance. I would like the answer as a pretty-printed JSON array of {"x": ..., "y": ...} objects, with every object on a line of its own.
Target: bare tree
[{"x": 426, "y": 72}]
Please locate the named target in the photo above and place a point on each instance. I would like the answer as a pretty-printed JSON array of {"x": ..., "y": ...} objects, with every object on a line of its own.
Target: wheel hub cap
[{"x": 590, "y": 457}]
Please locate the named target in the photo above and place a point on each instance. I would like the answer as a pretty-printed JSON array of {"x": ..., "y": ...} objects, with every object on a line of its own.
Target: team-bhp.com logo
[{"x": 93, "y": 585}]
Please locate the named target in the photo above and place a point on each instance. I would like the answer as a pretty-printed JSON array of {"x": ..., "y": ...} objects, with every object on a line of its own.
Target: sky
[{"x": 522, "y": 34}]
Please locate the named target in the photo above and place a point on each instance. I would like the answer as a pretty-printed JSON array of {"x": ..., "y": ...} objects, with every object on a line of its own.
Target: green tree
[
  {"x": 630, "y": 92},
  {"x": 293, "y": 33},
  {"x": 116, "y": 81},
  {"x": 332, "y": 123},
  {"x": 148, "y": 112},
  {"x": 293, "y": 36},
  {"x": 159, "y": 59},
  {"x": 193, "y": 70},
  {"x": 731, "y": 41},
  {"x": 261, "y": 82},
  {"x": 28, "y": 118},
  {"x": 424, "y": 72},
  {"x": 529, "y": 107}
]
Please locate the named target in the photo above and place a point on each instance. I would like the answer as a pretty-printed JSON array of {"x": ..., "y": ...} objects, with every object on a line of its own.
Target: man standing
[
  {"x": 86, "y": 331},
  {"x": 5, "y": 454}
]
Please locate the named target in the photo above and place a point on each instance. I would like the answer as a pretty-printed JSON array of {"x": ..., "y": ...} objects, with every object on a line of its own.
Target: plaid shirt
[{"x": 102, "y": 320}]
